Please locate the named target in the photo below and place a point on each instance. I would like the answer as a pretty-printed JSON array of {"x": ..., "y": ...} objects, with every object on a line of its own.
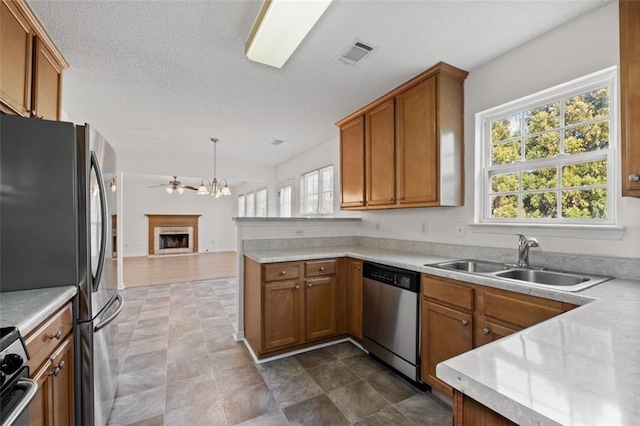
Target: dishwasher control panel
[{"x": 402, "y": 278}]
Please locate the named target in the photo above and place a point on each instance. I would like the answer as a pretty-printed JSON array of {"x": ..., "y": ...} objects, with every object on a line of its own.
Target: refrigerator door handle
[
  {"x": 103, "y": 324},
  {"x": 105, "y": 222}
]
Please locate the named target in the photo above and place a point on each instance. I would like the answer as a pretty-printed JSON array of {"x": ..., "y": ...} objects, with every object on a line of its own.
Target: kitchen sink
[
  {"x": 568, "y": 281},
  {"x": 559, "y": 279},
  {"x": 478, "y": 266}
]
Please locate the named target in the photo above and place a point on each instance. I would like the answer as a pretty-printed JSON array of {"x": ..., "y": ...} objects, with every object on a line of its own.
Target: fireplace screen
[{"x": 173, "y": 241}]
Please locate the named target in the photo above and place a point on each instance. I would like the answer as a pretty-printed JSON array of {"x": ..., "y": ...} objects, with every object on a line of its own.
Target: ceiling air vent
[
  {"x": 355, "y": 52},
  {"x": 277, "y": 142}
]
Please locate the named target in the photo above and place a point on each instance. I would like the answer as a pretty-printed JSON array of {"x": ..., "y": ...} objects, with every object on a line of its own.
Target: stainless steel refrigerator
[{"x": 57, "y": 203}]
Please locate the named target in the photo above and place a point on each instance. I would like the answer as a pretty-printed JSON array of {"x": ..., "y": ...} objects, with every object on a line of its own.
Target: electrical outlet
[
  {"x": 378, "y": 223},
  {"x": 461, "y": 229},
  {"x": 299, "y": 232},
  {"x": 424, "y": 228}
]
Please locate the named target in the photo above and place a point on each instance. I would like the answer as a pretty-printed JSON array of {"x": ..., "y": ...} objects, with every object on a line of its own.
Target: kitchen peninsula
[{"x": 556, "y": 359}]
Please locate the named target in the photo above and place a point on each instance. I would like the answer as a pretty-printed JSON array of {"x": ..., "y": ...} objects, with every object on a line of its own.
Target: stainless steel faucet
[{"x": 524, "y": 244}]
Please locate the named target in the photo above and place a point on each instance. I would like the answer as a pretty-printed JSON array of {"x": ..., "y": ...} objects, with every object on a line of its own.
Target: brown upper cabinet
[
  {"x": 31, "y": 65},
  {"x": 630, "y": 96},
  {"x": 352, "y": 163},
  {"x": 411, "y": 152}
]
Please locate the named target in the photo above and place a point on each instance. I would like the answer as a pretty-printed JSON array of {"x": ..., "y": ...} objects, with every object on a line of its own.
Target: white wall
[
  {"x": 216, "y": 230},
  {"x": 323, "y": 155},
  {"x": 580, "y": 47}
]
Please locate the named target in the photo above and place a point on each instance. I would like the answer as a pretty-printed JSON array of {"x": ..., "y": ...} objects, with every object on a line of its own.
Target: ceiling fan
[{"x": 174, "y": 185}]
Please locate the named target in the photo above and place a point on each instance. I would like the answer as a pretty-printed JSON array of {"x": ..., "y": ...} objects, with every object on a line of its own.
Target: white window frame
[
  {"x": 265, "y": 212},
  {"x": 321, "y": 190},
  {"x": 607, "y": 77},
  {"x": 283, "y": 185}
]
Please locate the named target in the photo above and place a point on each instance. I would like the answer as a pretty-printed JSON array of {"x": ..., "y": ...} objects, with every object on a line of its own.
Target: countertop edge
[{"x": 32, "y": 319}]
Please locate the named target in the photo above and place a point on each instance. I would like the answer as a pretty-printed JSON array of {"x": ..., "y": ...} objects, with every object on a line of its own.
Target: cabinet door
[
  {"x": 62, "y": 384},
  {"x": 467, "y": 411},
  {"x": 320, "y": 308},
  {"x": 354, "y": 300},
  {"x": 446, "y": 333},
  {"x": 488, "y": 331},
  {"x": 47, "y": 87},
  {"x": 282, "y": 312},
  {"x": 630, "y": 95},
  {"x": 39, "y": 409},
  {"x": 352, "y": 163},
  {"x": 417, "y": 150},
  {"x": 380, "y": 155},
  {"x": 15, "y": 59}
]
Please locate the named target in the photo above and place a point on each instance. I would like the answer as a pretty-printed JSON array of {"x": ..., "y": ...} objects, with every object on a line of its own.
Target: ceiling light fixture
[
  {"x": 217, "y": 188},
  {"x": 280, "y": 27}
]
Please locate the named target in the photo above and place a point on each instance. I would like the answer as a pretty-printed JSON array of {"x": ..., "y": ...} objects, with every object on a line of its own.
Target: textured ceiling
[{"x": 166, "y": 75}]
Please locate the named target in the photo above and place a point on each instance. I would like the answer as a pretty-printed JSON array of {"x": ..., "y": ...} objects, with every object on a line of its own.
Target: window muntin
[
  {"x": 317, "y": 192},
  {"x": 551, "y": 159},
  {"x": 261, "y": 203}
]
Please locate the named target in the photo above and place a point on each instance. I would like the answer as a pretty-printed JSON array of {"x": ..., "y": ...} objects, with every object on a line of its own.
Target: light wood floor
[{"x": 143, "y": 271}]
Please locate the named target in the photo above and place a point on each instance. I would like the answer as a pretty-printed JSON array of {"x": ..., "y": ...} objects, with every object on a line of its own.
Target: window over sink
[{"x": 549, "y": 158}]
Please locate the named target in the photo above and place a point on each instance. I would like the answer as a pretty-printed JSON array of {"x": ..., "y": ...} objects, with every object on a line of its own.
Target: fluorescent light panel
[{"x": 280, "y": 27}]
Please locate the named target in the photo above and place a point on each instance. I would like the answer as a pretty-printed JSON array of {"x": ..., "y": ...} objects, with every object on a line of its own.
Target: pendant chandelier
[{"x": 214, "y": 187}]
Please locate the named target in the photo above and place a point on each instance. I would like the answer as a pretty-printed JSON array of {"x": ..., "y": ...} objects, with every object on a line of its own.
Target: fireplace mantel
[{"x": 173, "y": 220}]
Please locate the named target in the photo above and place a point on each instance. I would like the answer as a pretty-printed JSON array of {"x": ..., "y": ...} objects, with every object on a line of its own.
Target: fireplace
[
  {"x": 172, "y": 239},
  {"x": 173, "y": 234}
]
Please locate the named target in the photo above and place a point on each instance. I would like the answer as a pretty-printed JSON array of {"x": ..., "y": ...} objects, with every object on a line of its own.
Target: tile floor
[{"x": 179, "y": 365}]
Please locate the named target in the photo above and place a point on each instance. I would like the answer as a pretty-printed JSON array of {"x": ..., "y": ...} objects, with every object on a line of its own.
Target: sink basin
[
  {"x": 559, "y": 279},
  {"x": 567, "y": 281},
  {"x": 476, "y": 266}
]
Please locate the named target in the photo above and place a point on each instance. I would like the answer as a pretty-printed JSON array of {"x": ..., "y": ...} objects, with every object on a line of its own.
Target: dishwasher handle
[{"x": 30, "y": 388}]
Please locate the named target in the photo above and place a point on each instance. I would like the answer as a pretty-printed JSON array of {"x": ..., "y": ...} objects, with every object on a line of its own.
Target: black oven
[{"x": 16, "y": 389}]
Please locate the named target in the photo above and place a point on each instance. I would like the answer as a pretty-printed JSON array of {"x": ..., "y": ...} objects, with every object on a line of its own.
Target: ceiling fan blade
[
  {"x": 162, "y": 185},
  {"x": 193, "y": 188}
]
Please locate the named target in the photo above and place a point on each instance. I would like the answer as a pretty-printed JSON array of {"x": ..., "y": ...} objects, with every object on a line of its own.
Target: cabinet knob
[
  {"x": 634, "y": 177},
  {"x": 309, "y": 285},
  {"x": 486, "y": 331},
  {"x": 56, "y": 336},
  {"x": 321, "y": 268},
  {"x": 357, "y": 268},
  {"x": 401, "y": 198},
  {"x": 297, "y": 287},
  {"x": 56, "y": 370},
  {"x": 283, "y": 272},
  {"x": 464, "y": 323},
  {"x": 390, "y": 198}
]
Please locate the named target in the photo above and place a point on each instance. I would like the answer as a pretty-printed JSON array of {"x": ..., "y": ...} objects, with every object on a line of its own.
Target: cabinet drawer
[
  {"x": 320, "y": 268},
  {"x": 520, "y": 310},
  {"x": 453, "y": 294},
  {"x": 281, "y": 271},
  {"x": 45, "y": 338}
]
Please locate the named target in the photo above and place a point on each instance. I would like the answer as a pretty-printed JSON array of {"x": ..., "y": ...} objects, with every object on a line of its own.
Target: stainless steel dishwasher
[{"x": 390, "y": 316}]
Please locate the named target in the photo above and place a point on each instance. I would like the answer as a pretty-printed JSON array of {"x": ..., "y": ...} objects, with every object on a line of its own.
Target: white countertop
[
  {"x": 579, "y": 368},
  {"x": 28, "y": 308}
]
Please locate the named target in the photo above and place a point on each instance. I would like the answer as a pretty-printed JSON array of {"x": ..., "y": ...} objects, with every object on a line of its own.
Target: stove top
[{"x": 13, "y": 355}]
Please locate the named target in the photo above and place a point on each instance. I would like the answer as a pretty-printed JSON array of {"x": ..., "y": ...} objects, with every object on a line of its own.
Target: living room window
[
  {"x": 285, "y": 198},
  {"x": 241, "y": 209},
  {"x": 550, "y": 157},
  {"x": 261, "y": 203},
  {"x": 317, "y": 192},
  {"x": 250, "y": 204}
]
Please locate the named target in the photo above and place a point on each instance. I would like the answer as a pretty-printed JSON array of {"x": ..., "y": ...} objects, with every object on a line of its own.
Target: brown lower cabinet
[
  {"x": 51, "y": 365},
  {"x": 354, "y": 299},
  {"x": 458, "y": 316},
  {"x": 469, "y": 412},
  {"x": 293, "y": 304}
]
